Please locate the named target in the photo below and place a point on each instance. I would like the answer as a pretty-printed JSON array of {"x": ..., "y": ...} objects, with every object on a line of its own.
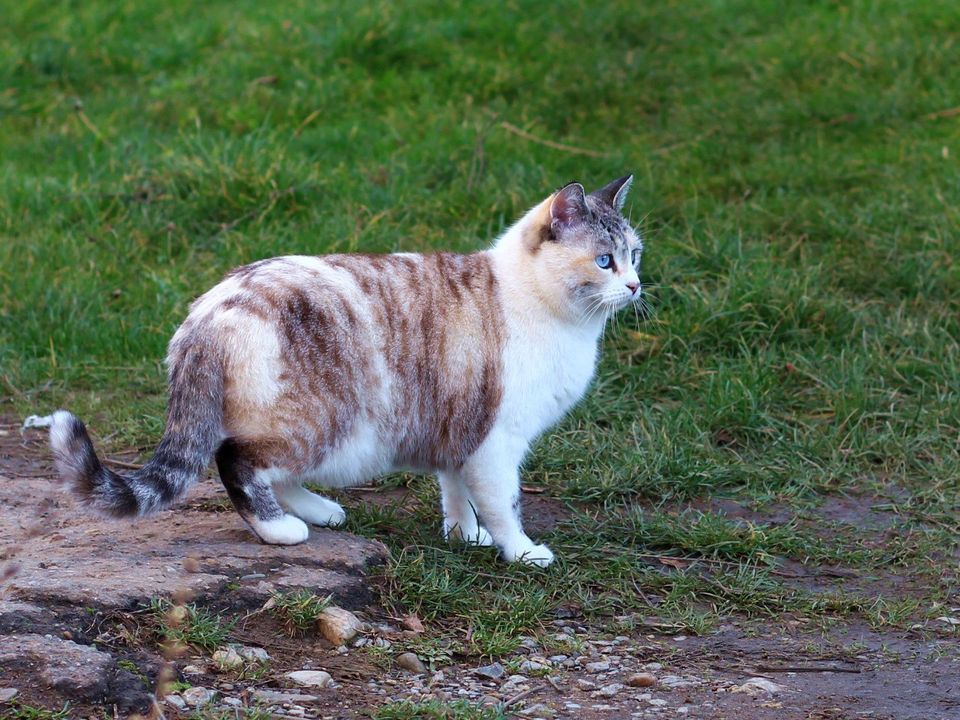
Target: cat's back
[{"x": 410, "y": 344}]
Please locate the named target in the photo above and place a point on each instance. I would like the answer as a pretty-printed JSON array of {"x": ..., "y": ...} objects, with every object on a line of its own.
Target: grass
[
  {"x": 434, "y": 710},
  {"x": 188, "y": 625},
  {"x": 298, "y": 611},
  {"x": 796, "y": 182},
  {"x": 16, "y": 710}
]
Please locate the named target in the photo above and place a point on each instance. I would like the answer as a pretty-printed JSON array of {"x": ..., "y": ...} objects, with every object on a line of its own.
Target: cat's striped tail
[{"x": 192, "y": 435}]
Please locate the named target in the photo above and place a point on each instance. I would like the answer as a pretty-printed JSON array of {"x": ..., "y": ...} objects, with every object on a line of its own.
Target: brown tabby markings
[{"x": 434, "y": 323}]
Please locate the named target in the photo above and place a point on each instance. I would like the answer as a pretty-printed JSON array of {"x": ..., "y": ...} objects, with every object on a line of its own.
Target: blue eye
[
  {"x": 635, "y": 257},
  {"x": 605, "y": 261}
]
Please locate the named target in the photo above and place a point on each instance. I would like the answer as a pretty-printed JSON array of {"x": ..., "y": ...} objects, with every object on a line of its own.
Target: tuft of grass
[
  {"x": 436, "y": 710},
  {"x": 298, "y": 611},
  {"x": 182, "y": 625},
  {"x": 15, "y": 710}
]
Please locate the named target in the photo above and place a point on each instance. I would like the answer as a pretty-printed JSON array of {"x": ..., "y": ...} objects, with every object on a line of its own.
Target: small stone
[
  {"x": 7, "y": 694},
  {"x": 610, "y": 690},
  {"x": 227, "y": 659},
  {"x": 683, "y": 710},
  {"x": 274, "y": 697},
  {"x": 339, "y": 626},
  {"x": 232, "y": 701},
  {"x": 310, "y": 678},
  {"x": 531, "y": 666},
  {"x": 176, "y": 701},
  {"x": 757, "y": 686},
  {"x": 198, "y": 696},
  {"x": 410, "y": 662},
  {"x": 597, "y": 667},
  {"x": 585, "y": 684},
  {"x": 254, "y": 654},
  {"x": 641, "y": 680},
  {"x": 493, "y": 672},
  {"x": 657, "y": 702},
  {"x": 557, "y": 658},
  {"x": 653, "y": 667}
]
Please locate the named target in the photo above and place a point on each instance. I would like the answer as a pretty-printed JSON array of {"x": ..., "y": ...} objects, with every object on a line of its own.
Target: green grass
[
  {"x": 796, "y": 181},
  {"x": 183, "y": 625},
  {"x": 16, "y": 710},
  {"x": 298, "y": 611},
  {"x": 434, "y": 710}
]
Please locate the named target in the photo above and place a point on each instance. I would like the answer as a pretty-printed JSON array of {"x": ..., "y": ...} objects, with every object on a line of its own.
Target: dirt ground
[{"x": 74, "y": 589}]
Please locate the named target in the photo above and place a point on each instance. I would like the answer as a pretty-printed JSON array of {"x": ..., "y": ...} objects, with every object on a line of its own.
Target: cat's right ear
[{"x": 569, "y": 207}]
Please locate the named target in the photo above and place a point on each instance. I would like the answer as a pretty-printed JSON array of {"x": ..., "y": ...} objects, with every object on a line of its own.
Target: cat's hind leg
[
  {"x": 461, "y": 521},
  {"x": 250, "y": 491},
  {"x": 310, "y": 507}
]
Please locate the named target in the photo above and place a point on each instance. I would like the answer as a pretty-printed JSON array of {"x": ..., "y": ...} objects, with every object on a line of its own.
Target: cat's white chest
[{"x": 546, "y": 374}]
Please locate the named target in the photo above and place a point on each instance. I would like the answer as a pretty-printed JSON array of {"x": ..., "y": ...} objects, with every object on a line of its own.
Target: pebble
[
  {"x": 757, "y": 686},
  {"x": 676, "y": 682},
  {"x": 653, "y": 667},
  {"x": 256, "y": 654},
  {"x": 493, "y": 672},
  {"x": 597, "y": 667},
  {"x": 198, "y": 696},
  {"x": 610, "y": 690},
  {"x": 271, "y": 697},
  {"x": 8, "y": 694},
  {"x": 339, "y": 626},
  {"x": 232, "y": 701},
  {"x": 310, "y": 678},
  {"x": 641, "y": 680},
  {"x": 227, "y": 659},
  {"x": 178, "y": 702},
  {"x": 657, "y": 702},
  {"x": 530, "y": 666},
  {"x": 410, "y": 662}
]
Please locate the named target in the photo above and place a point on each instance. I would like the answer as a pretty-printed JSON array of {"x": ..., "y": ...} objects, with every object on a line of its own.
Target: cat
[{"x": 334, "y": 369}]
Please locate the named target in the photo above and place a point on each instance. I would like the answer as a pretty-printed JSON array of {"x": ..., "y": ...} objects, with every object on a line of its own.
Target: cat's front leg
[
  {"x": 460, "y": 515},
  {"x": 492, "y": 478}
]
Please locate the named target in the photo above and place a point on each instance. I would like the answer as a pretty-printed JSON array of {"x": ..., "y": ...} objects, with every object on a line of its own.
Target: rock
[
  {"x": 585, "y": 684},
  {"x": 277, "y": 697},
  {"x": 492, "y": 672},
  {"x": 610, "y": 690},
  {"x": 339, "y": 626},
  {"x": 82, "y": 563},
  {"x": 253, "y": 654},
  {"x": 597, "y": 667},
  {"x": 641, "y": 680},
  {"x": 657, "y": 702},
  {"x": 194, "y": 670},
  {"x": 310, "y": 678},
  {"x": 198, "y": 696},
  {"x": 531, "y": 666},
  {"x": 675, "y": 682},
  {"x": 410, "y": 662},
  {"x": 227, "y": 659},
  {"x": 7, "y": 694},
  {"x": 653, "y": 667},
  {"x": 62, "y": 667},
  {"x": 757, "y": 686},
  {"x": 176, "y": 701},
  {"x": 232, "y": 701}
]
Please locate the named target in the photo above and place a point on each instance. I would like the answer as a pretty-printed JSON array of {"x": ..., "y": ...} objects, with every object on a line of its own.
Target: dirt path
[{"x": 76, "y": 625}]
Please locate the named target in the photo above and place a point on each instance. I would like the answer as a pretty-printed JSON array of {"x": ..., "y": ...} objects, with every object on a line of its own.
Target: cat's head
[{"x": 583, "y": 254}]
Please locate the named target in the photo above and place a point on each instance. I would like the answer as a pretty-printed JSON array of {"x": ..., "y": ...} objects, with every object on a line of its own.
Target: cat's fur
[{"x": 334, "y": 369}]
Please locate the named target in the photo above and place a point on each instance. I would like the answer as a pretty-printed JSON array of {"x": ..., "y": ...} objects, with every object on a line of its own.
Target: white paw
[
  {"x": 538, "y": 555},
  {"x": 333, "y": 517},
  {"x": 287, "y": 530},
  {"x": 475, "y": 536}
]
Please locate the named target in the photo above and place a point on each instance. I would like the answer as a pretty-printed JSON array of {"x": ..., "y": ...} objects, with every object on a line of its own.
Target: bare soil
[{"x": 74, "y": 589}]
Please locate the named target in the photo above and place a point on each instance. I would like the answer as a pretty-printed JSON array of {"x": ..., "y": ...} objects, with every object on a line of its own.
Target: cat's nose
[{"x": 633, "y": 287}]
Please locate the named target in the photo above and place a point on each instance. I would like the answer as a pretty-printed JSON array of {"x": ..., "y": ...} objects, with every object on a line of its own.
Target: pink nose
[{"x": 633, "y": 286}]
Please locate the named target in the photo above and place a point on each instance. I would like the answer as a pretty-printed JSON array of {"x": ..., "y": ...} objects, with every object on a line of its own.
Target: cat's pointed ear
[
  {"x": 569, "y": 205},
  {"x": 615, "y": 194}
]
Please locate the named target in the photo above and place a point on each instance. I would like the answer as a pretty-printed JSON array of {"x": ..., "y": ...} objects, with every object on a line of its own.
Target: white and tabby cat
[{"x": 334, "y": 369}]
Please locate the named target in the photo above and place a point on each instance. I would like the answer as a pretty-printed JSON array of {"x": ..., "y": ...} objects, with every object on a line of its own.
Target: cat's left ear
[{"x": 615, "y": 194}]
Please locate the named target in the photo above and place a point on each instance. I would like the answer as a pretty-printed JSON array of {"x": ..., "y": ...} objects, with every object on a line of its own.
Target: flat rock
[
  {"x": 8, "y": 694},
  {"x": 68, "y": 555},
  {"x": 277, "y": 697},
  {"x": 310, "y": 678},
  {"x": 68, "y": 670}
]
